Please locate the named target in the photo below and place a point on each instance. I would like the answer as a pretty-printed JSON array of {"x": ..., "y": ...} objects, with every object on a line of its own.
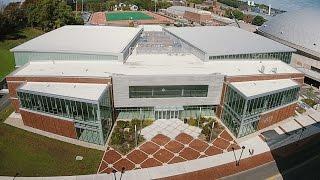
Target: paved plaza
[
  {"x": 170, "y": 128},
  {"x": 168, "y": 142}
]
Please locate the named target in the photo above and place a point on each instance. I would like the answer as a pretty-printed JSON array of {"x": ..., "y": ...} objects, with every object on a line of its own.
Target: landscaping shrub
[
  {"x": 309, "y": 101},
  {"x": 122, "y": 139},
  {"x": 207, "y": 128},
  {"x": 300, "y": 110},
  {"x": 193, "y": 122}
]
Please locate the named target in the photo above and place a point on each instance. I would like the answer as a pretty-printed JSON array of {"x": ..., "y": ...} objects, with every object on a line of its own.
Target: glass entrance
[{"x": 167, "y": 114}]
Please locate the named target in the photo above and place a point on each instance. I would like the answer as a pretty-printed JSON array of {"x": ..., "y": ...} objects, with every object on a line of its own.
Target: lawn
[
  {"x": 127, "y": 15},
  {"x": 33, "y": 155},
  {"x": 6, "y": 43}
]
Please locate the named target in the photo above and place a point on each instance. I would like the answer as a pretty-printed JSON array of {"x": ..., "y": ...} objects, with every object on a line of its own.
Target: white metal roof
[
  {"x": 298, "y": 28},
  {"x": 154, "y": 64},
  {"x": 151, "y": 27},
  {"x": 225, "y": 40},
  {"x": 253, "y": 88},
  {"x": 82, "y": 39},
  {"x": 74, "y": 90}
]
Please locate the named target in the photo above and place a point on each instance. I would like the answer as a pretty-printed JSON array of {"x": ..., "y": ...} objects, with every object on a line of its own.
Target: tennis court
[{"x": 129, "y": 15}]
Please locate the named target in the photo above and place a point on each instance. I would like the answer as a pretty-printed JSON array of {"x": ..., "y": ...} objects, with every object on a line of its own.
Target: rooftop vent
[
  {"x": 274, "y": 70},
  {"x": 314, "y": 44},
  {"x": 261, "y": 70}
]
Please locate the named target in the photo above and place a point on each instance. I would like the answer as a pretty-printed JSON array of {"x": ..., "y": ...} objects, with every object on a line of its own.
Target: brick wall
[
  {"x": 275, "y": 116},
  {"x": 49, "y": 124},
  {"x": 196, "y": 17},
  {"x": 299, "y": 77}
]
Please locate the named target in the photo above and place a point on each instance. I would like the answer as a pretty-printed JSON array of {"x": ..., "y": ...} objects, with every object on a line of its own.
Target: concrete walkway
[
  {"x": 170, "y": 128},
  {"x": 15, "y": 120}
]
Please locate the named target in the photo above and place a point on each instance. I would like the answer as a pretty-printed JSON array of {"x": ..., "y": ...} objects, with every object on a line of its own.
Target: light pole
[
  {"x": 235, "y": 157},
  {"x": 241, "y": 154},
  {"x": 114, "y": 174},
  {"x": 302, "y": 130},
  {"x": 16, "y": 175},
  {"x": 122, "y": 172}
]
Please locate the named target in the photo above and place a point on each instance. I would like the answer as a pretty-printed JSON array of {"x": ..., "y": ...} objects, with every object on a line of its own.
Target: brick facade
[
  {"x": 197, "y": 17},
  {"x": 297, "y": 77},
  {"x": 49, "y": 124},
  {"x": 269, "y": 118}
]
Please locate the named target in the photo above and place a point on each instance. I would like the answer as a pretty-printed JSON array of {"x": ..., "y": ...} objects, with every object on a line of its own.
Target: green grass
[
  {"x": 127, "y": 15},
  {"x": 6, "y": 43},
  {"x": 33, "y": 155}
]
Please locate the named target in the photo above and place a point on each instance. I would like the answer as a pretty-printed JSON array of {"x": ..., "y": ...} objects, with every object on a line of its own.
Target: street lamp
[
  {"x": 16, "y": 175},
  {"x": 235, "y": 157},
  {"x": 114, "y": 174},
  {"x": 302, "y": 130},
  {"x": 241, "y": 154},
  {"x": 122, "y": 171}
]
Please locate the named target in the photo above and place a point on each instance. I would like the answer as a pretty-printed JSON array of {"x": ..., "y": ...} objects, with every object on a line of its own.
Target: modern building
[
  {"x": 299, "y": 30},
  {"x": 154, "y": 73}
]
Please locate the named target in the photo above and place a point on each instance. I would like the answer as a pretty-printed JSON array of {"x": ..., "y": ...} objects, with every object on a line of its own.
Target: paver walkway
[
  {"x": 170, "y": 128},
  {"x": 161, "y": 150}
]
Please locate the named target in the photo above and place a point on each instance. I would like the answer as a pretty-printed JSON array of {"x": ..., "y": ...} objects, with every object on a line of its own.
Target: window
[{"x": 168, "y": 91}]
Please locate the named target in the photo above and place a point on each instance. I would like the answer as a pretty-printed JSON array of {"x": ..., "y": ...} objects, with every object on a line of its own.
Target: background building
[
  {"x": 168, "y": 73},
  {"x": 299, "y": 30}
]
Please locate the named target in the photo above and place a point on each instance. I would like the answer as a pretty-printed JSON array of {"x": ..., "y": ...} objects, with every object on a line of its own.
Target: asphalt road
[{"x": 296, "y": 161}]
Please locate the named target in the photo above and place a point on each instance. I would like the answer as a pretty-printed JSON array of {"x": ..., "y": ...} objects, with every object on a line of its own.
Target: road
[{"x": 296, "y": 161}]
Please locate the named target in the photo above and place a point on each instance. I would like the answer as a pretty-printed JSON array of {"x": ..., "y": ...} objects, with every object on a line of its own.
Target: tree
[
  {"x": 50, "y": 14},
  {"x": 195, "y": 1},
  {"x": 258, "y": 20},
  {"x": 248, "y": 18},
  {"x": 234, "y": 14}
]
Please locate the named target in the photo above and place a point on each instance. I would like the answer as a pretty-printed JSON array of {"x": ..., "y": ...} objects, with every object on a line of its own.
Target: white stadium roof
[
  {"x": 75, "y": 90},
  {"x": 298, "y": 29},
  {"x": 154, "y": 64},
  {"x": 82, "y": 39},
  {"x": 227, "y": 40},
  {"x": 254, "y": 88}
]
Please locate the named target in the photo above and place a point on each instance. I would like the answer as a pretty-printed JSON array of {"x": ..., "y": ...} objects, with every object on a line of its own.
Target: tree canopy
[
  {"x": 258, "y": 20},
  {"x": 45, "y": 14}
]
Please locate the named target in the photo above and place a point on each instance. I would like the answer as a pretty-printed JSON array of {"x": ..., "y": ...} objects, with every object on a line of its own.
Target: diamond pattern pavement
[{"x": 161, "y": 149}]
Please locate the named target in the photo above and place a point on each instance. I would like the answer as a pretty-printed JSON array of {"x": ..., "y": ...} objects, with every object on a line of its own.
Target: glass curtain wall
[
  {"x": 241, "y": 114},
  {"x": 168, "y": 91},
  {"x": 89, "y": 117},
  {"x": 283, "y": 56}
]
